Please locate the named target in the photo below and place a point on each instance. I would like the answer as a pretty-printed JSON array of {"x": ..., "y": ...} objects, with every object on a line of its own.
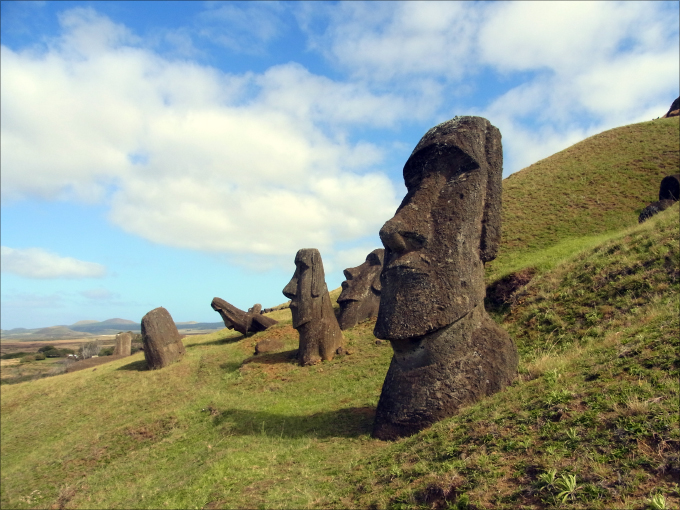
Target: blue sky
[{"x": 164, "y": 153}]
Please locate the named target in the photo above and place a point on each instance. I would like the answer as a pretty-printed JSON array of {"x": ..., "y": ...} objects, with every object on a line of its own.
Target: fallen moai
[
  {"x": 360, "y": 296},
  {"x": 251, "y": 321},
  {"x": 123, "y": 344},
  {"x": 162, "y": 342},
  {"x": 448, "y": 352},
  {"x": 312, "y": 310},
  {"x": 669, "y": 191}
]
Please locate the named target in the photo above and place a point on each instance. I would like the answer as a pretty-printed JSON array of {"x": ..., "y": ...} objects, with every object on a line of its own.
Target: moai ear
[
  {"x": 318, "y": 276},
  {"x": 491, "y": 220}
]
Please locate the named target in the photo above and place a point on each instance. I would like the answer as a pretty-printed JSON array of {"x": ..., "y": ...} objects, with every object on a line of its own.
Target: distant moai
[
  {"x": 162, "y": 342},
  {"x": 669, "y": 192},
  {"x": 312, "y": 310},
  {"x": 251, "y": 321},
  {"x": 360, "y": 297},
  {"x": 448, "y": 352},
  {"x": 123, "y": 344}
]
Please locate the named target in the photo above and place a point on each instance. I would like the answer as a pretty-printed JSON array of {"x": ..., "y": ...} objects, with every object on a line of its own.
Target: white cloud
[
  {"x": 579, "y": 67},
  {"x": 188, "y": 156},
  {"x": 37, "y": 263}
]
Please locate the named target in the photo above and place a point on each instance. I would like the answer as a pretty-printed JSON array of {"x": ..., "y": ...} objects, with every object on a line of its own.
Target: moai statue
[
  {"x": 669, "y": 192},
  {"x": 123, "y": 344},
  {"x": 360, "y": 297},
  {"x": 310, "y": 305},
  {"x": 251, "y": 321},
  {"x": 448, "y": 352},
  {"x": 162, "y": 342}
]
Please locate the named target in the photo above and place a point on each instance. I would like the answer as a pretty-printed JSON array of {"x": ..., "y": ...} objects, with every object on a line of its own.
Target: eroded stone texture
[
  {"x": 162, "y": 342},
  {"x": 447, "y": 351},
  {"x": 360, "y": 297},
  {"x": 251, "y": 321},
  {"x": 123, "y": 344},
  {"x": 312, "y": 311}
]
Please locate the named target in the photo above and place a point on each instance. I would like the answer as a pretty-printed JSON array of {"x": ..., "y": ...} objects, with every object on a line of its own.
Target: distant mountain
[{"x": 88, "y": 328}]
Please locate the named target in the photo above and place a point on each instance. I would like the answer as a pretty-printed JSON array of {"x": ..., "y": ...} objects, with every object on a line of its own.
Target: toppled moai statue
[
  {"x": 162, "y": 342},
  {"x": 123, "y": 344},
  {"x": 669, "y": 192},
  {"x": 251, "y": 321},
  {"x": 360, "y": 297},
  {"x": 448, "y": 352},
  {"x": 312, "y": 310}
]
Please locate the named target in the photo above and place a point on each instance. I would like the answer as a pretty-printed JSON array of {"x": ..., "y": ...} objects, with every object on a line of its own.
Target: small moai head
[
  {"x": 360, "y": 297},
  {"x": 446, "y": 227},
  {"x": 307, "y": 287}
]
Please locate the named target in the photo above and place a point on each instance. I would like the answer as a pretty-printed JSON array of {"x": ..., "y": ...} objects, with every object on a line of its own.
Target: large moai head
[
  {"x": 446, "y": 227},
  {"x": 312, "y": 310},
  {"x": 307, "y": 287},
  {"x": 360, "y": 297}
]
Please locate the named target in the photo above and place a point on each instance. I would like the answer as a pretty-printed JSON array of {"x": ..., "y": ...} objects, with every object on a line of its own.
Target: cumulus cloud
[
  {"x": 188, "y": 156},
  {"x": 37, "y": 263},
  {"x": 572, "y": 68}
]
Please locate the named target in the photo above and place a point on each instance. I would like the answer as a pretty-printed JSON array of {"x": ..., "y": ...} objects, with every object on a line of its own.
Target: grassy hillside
[
  {"x": 593, "y": 188},
  {"x": 596, "y": 400}
]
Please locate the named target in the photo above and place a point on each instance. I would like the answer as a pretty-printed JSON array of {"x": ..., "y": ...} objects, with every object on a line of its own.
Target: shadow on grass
[
  {"x": 135, "y": 366},
  {"x": 221, "y": 341},
  {"x": 272, "y": 358},
  {"x": 347, "y": 422}
]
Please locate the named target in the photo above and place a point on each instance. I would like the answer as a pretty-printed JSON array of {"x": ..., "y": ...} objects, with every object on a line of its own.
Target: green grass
[{"x": 591, "y": 421}]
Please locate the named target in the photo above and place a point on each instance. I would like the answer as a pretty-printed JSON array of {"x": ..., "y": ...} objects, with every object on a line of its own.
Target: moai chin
[
  {"x": 123, "y": 344},
  {"x": 312, "y": 311},
  {"x": 447, "y": 351},
  {"x": 360, "y": 297},
  {"x": 162, "y": 342}
]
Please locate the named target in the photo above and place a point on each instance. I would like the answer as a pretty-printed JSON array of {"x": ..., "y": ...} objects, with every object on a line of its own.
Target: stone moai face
[
  {"x": 446, "y": 227},
  {"x": 305, "y": 290},
  {"x": 360, "y": 297},
  {"x": 312, "y": 311}
]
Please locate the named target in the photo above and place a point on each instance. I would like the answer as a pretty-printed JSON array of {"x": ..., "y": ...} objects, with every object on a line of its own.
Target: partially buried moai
[
  {"x": 360, "y": 297},
  {"x": 312, "y": 310},
  {"x": 448, "y": 352},
  {"x": 162, "y": 342},
  {"x": 123, "y": 344}
]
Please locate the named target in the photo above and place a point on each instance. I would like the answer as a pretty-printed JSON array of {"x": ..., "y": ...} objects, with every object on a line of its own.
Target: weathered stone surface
[
  {"x": 123, "y": 344},
  {"x": 162, "y": 342},
  {"x": 674, "y": 110},
  {"x": 654, "y": 208},
  {"x": 268, "y": 345},
  {"x": 360, "y": 296},
  {"x": 251, "y": 321},
  {"x": 447, "y": 351},
  {"x": 669, "y": 189},
  {"x": 312, "y": 311}
]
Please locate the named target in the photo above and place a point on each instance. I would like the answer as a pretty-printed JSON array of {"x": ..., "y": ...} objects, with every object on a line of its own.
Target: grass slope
[
  {"x": 595, "y": 187},
  {"x": 596, "y": 399}
]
